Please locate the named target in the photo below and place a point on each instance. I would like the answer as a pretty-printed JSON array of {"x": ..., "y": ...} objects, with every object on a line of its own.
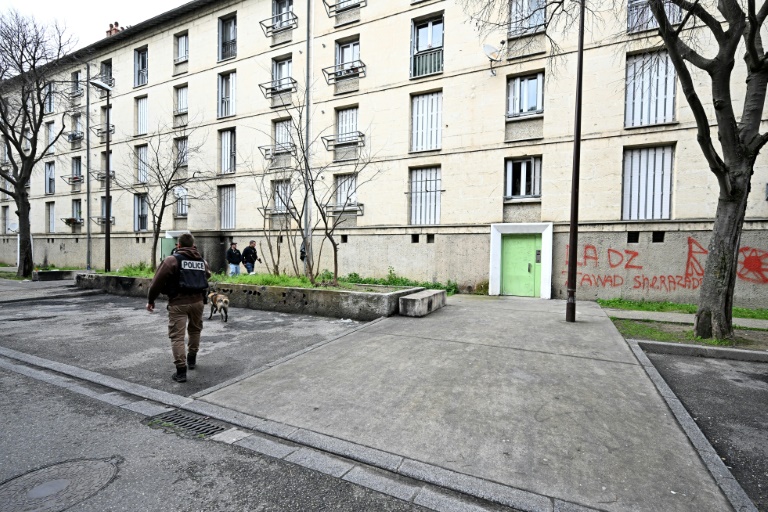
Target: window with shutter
[
  {"x": 650, "y": 93},
  {"x": 426, "y": 121},
  {"x": 647, "y": 183}
]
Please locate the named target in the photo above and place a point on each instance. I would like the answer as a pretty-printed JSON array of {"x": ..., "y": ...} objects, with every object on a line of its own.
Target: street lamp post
[
  {"x": 570, "y": 307},
  {"x": 99, "y": 84}
]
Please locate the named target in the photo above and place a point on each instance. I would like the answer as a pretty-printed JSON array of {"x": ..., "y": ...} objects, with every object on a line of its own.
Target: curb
[
  {"x": 731, "y": 488},
  {"x": 57, "y": 296},
  {"x": 473, "y": 487},
  {"x": 679, "y": 349}
]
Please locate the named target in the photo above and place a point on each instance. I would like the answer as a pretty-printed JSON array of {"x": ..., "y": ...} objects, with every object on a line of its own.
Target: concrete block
[{"x": 422, "y": 303}]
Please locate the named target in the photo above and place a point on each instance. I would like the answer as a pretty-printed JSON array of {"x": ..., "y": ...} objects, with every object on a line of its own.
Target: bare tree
[
  {"x": 299, "y": 187},
  {"x": 29, "y": 52},
  {"x": 166, "y": 171},
  {"x": 686, "y": 29}
]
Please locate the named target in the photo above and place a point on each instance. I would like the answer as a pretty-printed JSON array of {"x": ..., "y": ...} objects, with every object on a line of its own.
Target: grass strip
[{"x": 673, "y": 307}]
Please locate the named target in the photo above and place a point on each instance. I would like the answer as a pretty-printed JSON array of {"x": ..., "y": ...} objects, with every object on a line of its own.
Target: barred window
[
  {"x": 650, "y": 94},
  {"x": 182, "y": 201},
  {"x": 282, "y": 193},
  {"x": 141, "y": 116},
  {"x": 426, "y": 121},
  {"x": 50, "y": 177},
  {"x": 142, "y": 164},
  {"x": 425, "y": 196},
  {"x": 647, "y": 183},
  {"x": 227, "y": 207},
  {"x": 346, "y": 190},
  {"x": 140, "y": 212},
  {"x": 228, "y": 151}
]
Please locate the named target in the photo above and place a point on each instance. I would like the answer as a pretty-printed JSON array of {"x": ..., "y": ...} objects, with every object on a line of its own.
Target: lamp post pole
[
  {"x": 570, "y": 307},
  {"x": 108, "y": 229},
  {"x": 88, "y": 165}
]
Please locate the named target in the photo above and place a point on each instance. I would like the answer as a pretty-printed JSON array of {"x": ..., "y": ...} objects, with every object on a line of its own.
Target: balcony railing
[
  {"x": 72, "y": 221},
  {"x": 102, "y": 175},
  {"x": 281, "y": 148},
  {"x": 343, "y": 139},
  {"x": 640, "y": 17},
  {"x": 280, "y": 86},
  {"x": 142, "y": 76},
  {"x": 72, "y": 179},
  {"x": 427, "y": 63},
  {"x": 74, "y": 136},
  {"x": 350, "y": 208},
  {"x": 181, "y": 58},
  {"x": 101, "y": 221},
  {"x": 279, "y": 23},
  {"x": 76, "y": 92},
  {"x": 228, "y": 49},
  {"x": 331, "y": 8},
  {"x": 353, "y": 69}
]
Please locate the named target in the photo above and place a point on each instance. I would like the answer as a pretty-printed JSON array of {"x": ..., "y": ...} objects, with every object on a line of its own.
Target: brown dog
[{"x": 219, "y": 304}]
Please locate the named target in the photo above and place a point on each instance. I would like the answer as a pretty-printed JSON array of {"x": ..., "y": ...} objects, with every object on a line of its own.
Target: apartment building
[{"x": 469, "y": 168}]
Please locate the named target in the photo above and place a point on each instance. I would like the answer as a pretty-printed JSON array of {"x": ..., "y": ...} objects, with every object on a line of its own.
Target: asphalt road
[
  {"x": 729, "y": 402},
  {"x": 45, "y": 425}
]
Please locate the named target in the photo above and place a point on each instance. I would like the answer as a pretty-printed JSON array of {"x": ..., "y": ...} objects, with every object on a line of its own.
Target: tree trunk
[
  {"x": 714, "y": 316},
  {"x": 26, "y": 264}
]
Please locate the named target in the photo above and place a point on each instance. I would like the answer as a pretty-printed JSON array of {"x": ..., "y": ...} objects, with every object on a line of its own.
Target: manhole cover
[
  {"x": 57, "y": 487},
  {"x": 189, "y": 423}
]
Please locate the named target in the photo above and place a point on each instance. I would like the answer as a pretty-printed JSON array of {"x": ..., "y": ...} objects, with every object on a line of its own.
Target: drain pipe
[{"x": 307, "y": 117}]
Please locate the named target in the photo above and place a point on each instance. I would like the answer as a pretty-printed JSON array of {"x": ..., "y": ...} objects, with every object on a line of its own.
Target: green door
[{"x": 521, "y": 265}]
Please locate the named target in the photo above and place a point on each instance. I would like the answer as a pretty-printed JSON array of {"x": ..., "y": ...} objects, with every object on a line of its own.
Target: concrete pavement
[{"x": 488, "y": 396}]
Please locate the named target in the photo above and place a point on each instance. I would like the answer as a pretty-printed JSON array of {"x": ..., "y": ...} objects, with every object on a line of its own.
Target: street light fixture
[{"x": 103, "y": 86}]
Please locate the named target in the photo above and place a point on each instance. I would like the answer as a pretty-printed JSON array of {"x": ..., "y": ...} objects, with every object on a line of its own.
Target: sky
[{"x": 88, "y": 20}]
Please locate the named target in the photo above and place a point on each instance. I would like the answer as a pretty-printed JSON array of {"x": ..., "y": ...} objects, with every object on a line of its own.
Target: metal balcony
[
  {"x": 101, "y": 130},
  {"x": 228, "y": 49},
  {"x": 277, "y": 87},
  {"x": 76, "y": 92},
  {"x": 72, "y": 221},
  {"x": 282, "y": 148},
  {"x": 72, "y": 179},
  {"x": 331, "y": 8},
  {"x": 75, "y": 136},
  {"x": 353, "y": 69},
  {"x": 102, "y": 175},
  {"x": 103, "y": 220},
  {"x": 427, "y": 62},
  {"x": 279, "y": 23},
  {"x": 331, "y": 142},
  {"x": 334, "y": 210},
  {"x": 182, "y": 59}
]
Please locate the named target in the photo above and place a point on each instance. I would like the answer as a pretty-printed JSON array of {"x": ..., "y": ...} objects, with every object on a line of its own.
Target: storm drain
[{"x": 188, "y": 423}]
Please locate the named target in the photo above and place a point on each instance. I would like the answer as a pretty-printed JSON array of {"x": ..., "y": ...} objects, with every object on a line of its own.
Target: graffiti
[
  {"x": 666, "y": 283},
  {"x": 753, "y": 265},
  {"x": 693, "y": 267}
]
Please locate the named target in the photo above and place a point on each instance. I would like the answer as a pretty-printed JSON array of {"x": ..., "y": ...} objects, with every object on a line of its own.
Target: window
[
  {"x": 182, "y": 48},
  {"x": 281, "y": 10},
  {"x": 282, "y": 193},
  {"x": 142, "y": 106},
  {"x": 640, "y": 17},
  {"x": 50, "y": 178},
  {"x": 281, "y": 74},
  {"x": 347, "y": 58},
  {"x": 140, "y": 212},
  {"x": 5, "y": 220},
  {"x": 77, "y": 128},
  {"x": 523, "y": 178},
  {"x": 346, "y": 125},
  {"x": 283, "y": 142},
  {"x": 426, "y": 121},
  {"x": 647, "y": 183},
  {"x": 181, "y": 97},
  {"x": 525, "y": 95},
  {"x": 425, "y": 196},
  {"x": 227, "y": 94},
  {"x": 228, "y": 151},
  {"x": 427, "y": 48},
  {"x": 75, "y": 87},
  {"x": 181, "y": 148},
  {"x": 50, "y": 136},
  {"x": 140, "y": 67},
  {"x": 50, "y": 210},
  {"x": 106, "y": 70},
  {"x": 227, "y": 37},
  {"x": 526, "y": 16},
  {"x": 650, "y": 95},
  {"x": 182, "y": 201},
  {"x": 346, "y": 4},
  {"x": 104, "y": 208},
  {"x": 227, "y": 207},
  {"x": 48, "y": 101},
  {"x": 77, "y": 209},
  {"x": 346, "y": 190},
  {"x": 107, "y": 163},
  {"x": 142, "y": 164},
  {"x": 77, "y": 167}
]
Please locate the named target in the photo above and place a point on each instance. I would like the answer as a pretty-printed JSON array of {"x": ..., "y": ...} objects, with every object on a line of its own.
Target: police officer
[{"x": 184, "y": 278}]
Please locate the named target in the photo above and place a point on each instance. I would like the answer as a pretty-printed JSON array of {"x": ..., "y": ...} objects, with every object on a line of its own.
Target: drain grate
[{"x": 190, "y": 423}]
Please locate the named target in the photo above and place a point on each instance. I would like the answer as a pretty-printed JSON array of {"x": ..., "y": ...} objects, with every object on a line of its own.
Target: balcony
[
  {"x": 102, "y": 175},
  {"x": 640, "y": 18},
  {"x": 335, "y": 210},
  {"x": 73, "y": 179},
  {"x": 228, "y": 49},
  {"x": 76, "y": 92},
  {"x": 279, "y": 155},
  {"x": 336, "y": 8},
  {"x": 75, "y": 136},
  {"x": 101, "y": 221},
  {"x": 279, "y": 23},
  {"x": 346, "y": 76},
  {"x": 105, "y": 78},
  {"x": 181, "y": 59},
  {"x": 279, "y": 91},
  {"x": 332, "y": 142},
  {"x": 427, "y": 62},
  {"x": 73, "y": 221}
]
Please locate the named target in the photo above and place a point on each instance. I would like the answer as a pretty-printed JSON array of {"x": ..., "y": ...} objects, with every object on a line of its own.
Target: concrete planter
[
  {"x": 54, "y": 275},
  {"x": 357, "y": 305}
]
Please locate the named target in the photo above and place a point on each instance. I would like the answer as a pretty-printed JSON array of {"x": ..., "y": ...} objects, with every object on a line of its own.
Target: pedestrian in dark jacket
[
  {"x": 234, "y": 258},
  {"x": 184, "y": 278},
  {"x": 250, "y": 257}
]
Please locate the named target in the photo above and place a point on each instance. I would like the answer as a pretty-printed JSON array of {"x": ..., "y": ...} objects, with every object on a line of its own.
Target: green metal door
[{"x": 521, "y": 265}]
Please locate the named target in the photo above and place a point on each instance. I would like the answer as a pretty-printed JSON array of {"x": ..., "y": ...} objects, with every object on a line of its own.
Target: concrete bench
[{"x": 422, "y": 303}]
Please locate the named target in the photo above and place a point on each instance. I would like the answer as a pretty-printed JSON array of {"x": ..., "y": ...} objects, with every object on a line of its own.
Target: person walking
[
  {"x": 183, "y": 277},
  {"x": 250, "y": 257},
  {"x": 234, "y": 258}
]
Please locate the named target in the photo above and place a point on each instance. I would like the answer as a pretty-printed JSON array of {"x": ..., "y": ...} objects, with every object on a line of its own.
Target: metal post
[
  {"x": 88, "y": 166},
  {"x": 570, "y": 307},
  {"x": 108, "y": 208},
  {"x": 307, "y": 109}
]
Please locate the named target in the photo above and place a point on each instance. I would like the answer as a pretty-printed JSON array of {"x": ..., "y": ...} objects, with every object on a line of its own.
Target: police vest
[{"x": 191, "y": 276}]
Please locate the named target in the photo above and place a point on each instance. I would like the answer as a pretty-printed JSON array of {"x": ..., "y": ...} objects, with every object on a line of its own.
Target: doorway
[{"x": 521, "y": 265}]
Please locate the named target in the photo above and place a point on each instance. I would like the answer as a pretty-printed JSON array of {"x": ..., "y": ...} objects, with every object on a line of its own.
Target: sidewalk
[
  {"x": 501, "y": 389},
  {"x": 678, "y": 318}
]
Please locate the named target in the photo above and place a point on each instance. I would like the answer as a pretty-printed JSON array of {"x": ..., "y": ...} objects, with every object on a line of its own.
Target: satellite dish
[{"x": 493, "y": 54}]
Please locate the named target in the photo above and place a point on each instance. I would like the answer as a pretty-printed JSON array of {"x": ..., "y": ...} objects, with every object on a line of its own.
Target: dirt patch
[{"x": 683, "y": 333}]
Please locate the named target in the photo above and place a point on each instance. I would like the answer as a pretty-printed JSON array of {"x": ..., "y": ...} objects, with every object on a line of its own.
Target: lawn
[{"x": 672, "y": 307}]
